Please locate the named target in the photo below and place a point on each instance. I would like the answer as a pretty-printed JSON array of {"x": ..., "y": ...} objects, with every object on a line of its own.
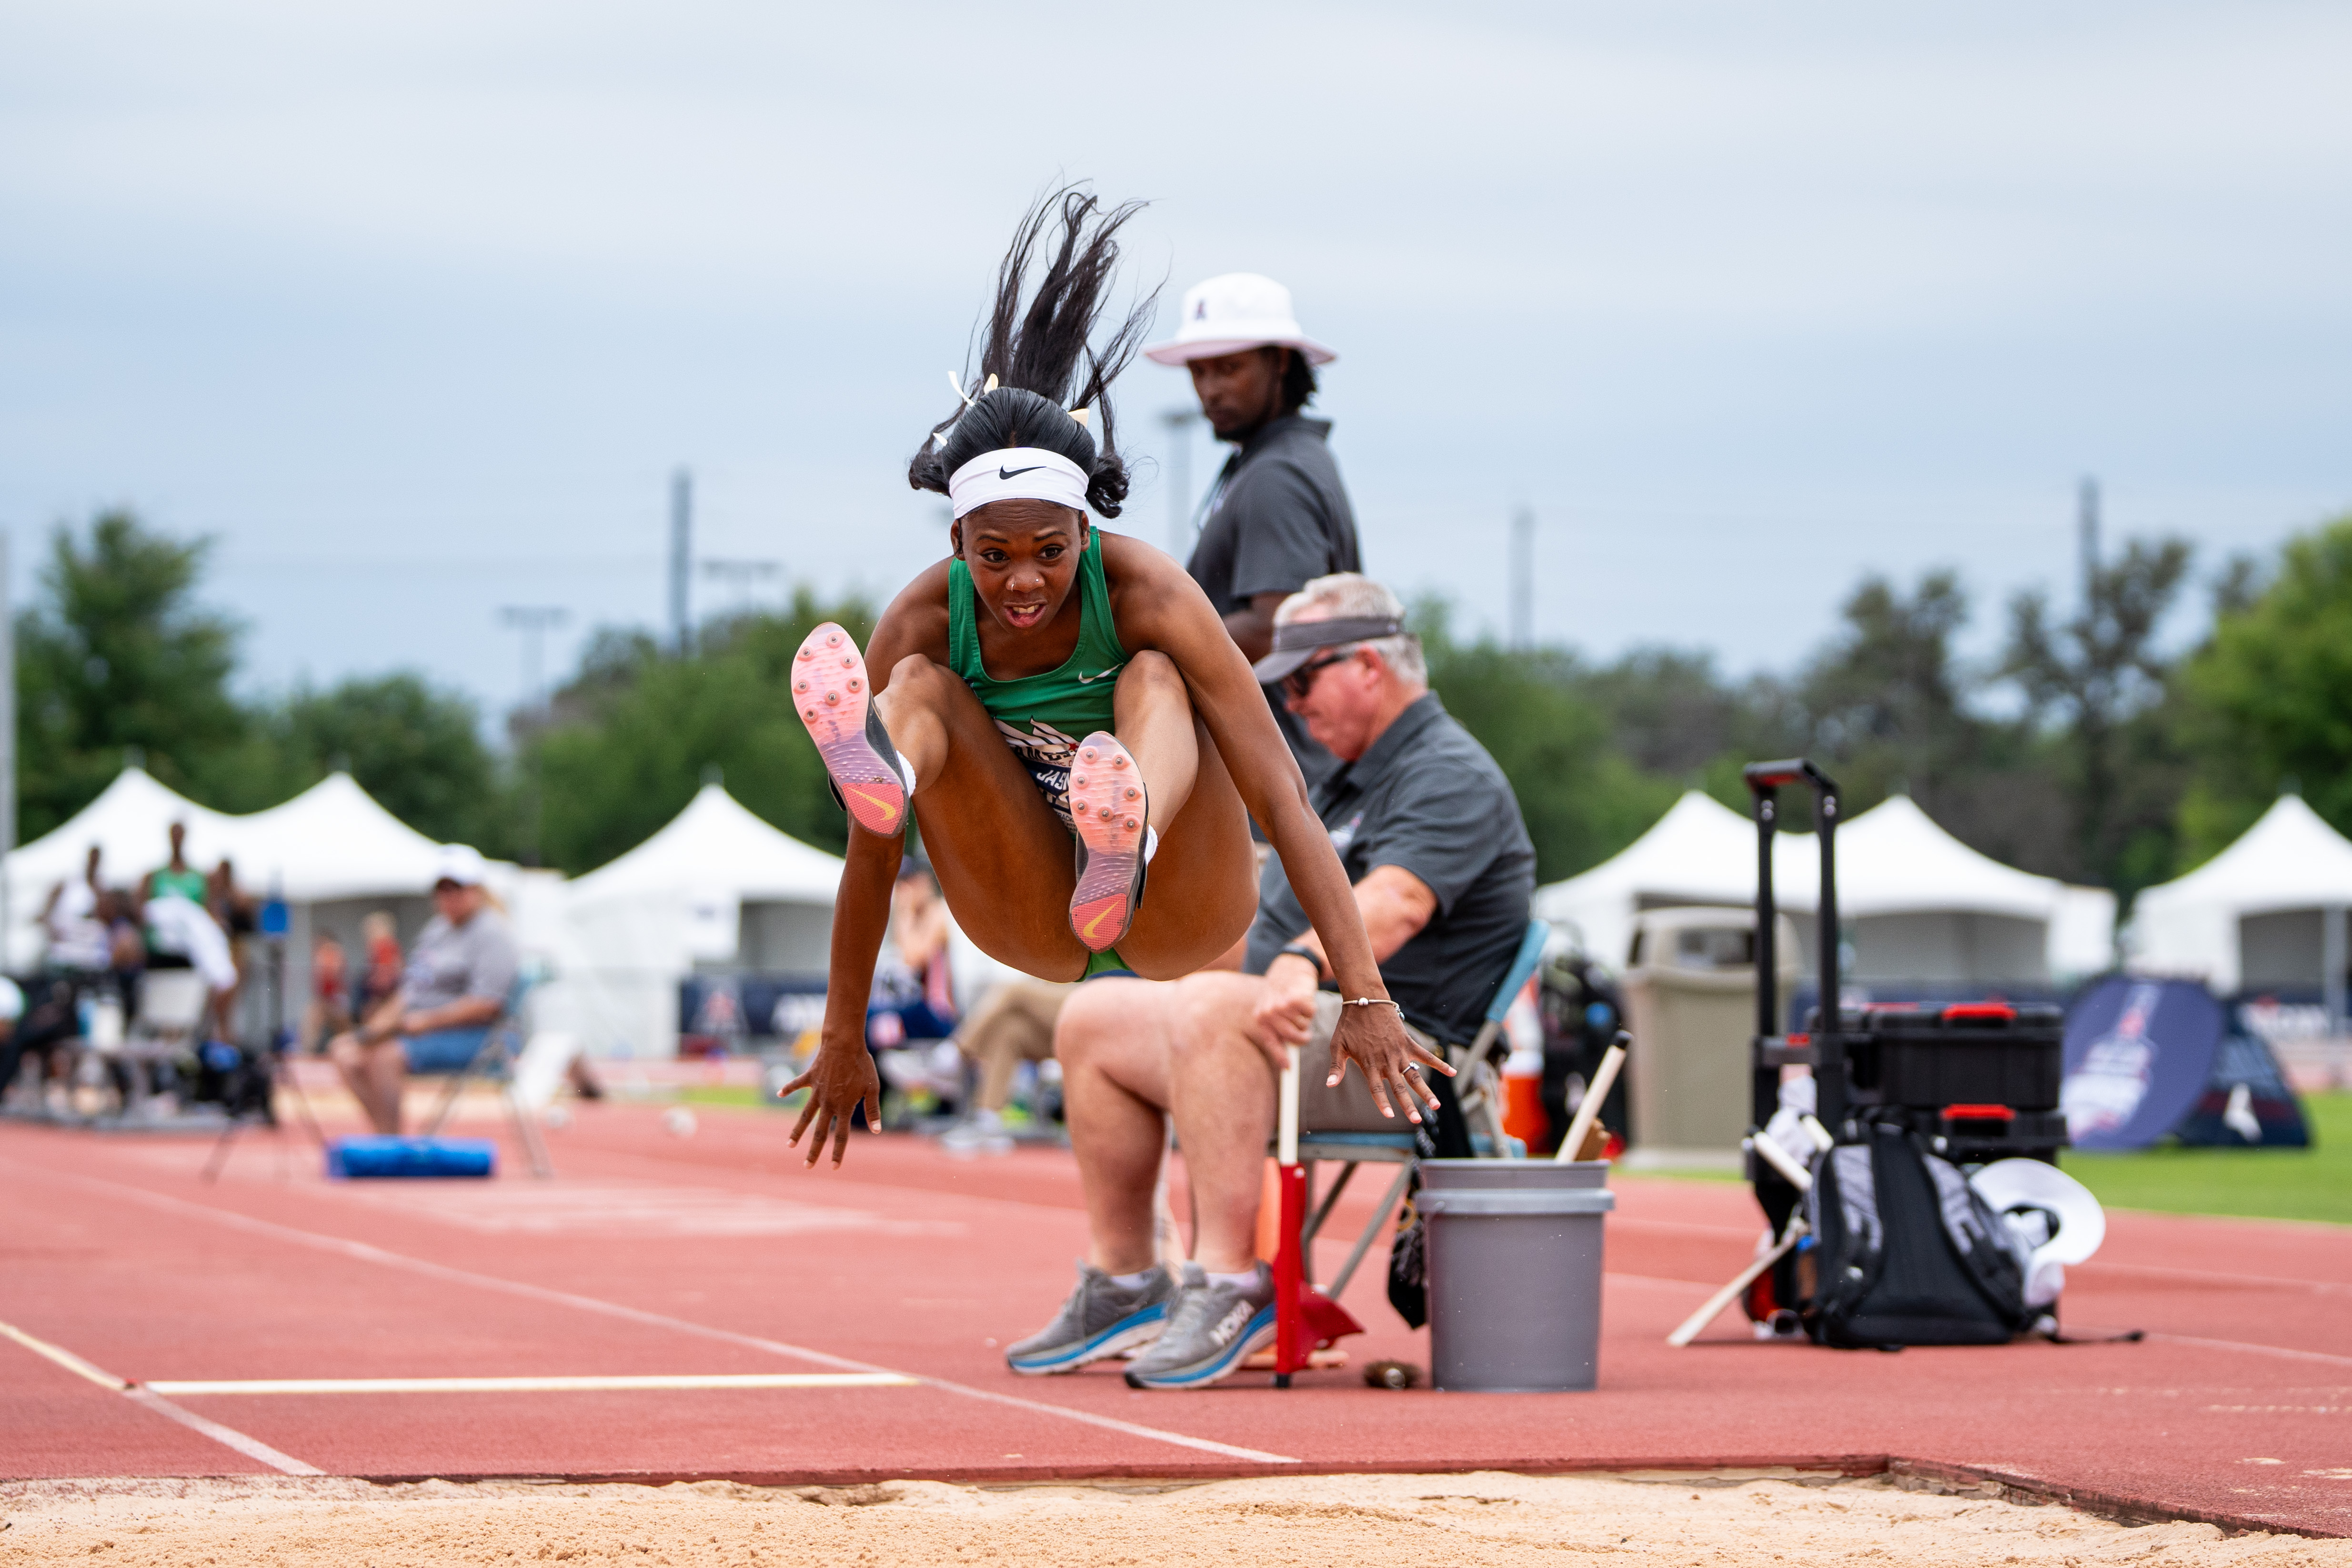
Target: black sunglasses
[{"x": 1300, "y": 681}]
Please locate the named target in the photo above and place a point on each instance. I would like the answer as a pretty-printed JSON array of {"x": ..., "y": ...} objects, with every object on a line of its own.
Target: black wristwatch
[{"x": 1295, "y": 951}]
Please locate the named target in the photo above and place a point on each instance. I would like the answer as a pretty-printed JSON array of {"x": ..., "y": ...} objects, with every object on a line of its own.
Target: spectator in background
[
  {"x": 1278, "y": 516},
  {"x": 235, "y": 913},
  {"x": 80, "y": 954},
  {"x": 79, "y": 946},
  {"x": 458, "y": 978},
  {"x": 1013, "y": 1024},
  {"x": 911, "y": 1010},
  {"x": 380, "y": 936},
  {"x": 174, "y": 877},
  {"x": 914, "y": 993},
  {"x": 330, "y": 1012},
  {"x": 16, "y": 1042}
]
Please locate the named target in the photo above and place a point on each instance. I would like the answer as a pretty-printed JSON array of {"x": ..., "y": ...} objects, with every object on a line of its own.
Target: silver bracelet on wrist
[{"x": 1369, "y": 1002}]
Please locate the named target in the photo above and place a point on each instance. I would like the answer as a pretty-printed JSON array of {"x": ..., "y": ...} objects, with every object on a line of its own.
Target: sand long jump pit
[{"x": 1332, "y": 1521}]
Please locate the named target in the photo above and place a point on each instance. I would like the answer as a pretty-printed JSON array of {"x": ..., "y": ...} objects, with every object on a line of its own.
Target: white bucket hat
[
  {"x": 461, "y": 864},
  {"x": 1238, "y": 311}
]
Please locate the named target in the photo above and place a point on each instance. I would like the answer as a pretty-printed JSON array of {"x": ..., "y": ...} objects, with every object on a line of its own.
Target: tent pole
[
  {"x": 7, "y": 750},
  {"x": 2332, "y": 961}
]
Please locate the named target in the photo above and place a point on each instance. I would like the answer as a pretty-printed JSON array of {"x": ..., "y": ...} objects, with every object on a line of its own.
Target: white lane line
[
  {"x": 64, "y": 1358},
  {"x": 185, "y": 1386},
  {"x": 227, "y": 1436},
  {"x": 2211, "y": 1276},
  {"x": 2254, "y": 1350},
  {"x": 365, "y": 1253}
]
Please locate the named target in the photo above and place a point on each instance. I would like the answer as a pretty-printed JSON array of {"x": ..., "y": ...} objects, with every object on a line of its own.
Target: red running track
[{"x": 717, "y": 1254}]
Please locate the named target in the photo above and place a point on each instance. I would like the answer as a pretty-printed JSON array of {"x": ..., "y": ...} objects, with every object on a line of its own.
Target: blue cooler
[{"x": 378, "y": 1156}]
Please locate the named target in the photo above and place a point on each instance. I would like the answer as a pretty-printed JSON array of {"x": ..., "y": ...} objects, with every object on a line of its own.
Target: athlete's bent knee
[
  {"x": 916, "y": 674},
  {"x": 1153, "y": 673}
]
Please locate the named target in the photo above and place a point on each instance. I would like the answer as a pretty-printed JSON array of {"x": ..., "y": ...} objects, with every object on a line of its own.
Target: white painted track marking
[
  {"x": 188, "y": 1386},
  {"x": 227, "y": 1436},
  {"x": 365, "y": 1253}
]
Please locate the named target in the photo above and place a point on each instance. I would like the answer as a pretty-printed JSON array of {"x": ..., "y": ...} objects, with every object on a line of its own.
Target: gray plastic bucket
[{"x": 1513, "y": 1268}]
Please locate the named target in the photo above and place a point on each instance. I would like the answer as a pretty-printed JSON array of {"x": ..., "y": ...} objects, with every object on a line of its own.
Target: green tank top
[
  {"x": 1044, "y": 716},
  {"x": 189, "y": 884}
]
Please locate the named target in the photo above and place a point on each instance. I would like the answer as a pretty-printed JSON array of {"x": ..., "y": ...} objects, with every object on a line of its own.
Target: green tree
[
  {"x": 1888, "y": 707},
  {"x": 116, "y": 659},
  {"x": 2268, "y": 699},
  {"x": 416, "y": 748},
  {"x": 1886, "y": 700},
  {"x": 1582, "y": 799},
  {"x": 2101, "y": 680},
  {"x": 632, "y": 738}
]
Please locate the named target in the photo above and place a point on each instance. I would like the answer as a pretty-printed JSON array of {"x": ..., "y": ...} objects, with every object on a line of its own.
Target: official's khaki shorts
[{"x": 1350, "y": 1107}]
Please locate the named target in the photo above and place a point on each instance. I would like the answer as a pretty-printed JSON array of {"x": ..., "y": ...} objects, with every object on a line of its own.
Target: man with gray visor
[{"x": 1431, "y": 838}]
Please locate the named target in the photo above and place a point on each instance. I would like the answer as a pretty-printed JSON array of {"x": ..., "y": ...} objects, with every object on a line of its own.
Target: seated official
[
  {"x": 458, "y": 977},
  {"x": 1430, "y": 835}
]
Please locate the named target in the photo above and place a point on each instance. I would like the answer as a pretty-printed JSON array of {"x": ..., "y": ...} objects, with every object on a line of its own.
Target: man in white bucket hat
[{"x": 1278, "y": 517}]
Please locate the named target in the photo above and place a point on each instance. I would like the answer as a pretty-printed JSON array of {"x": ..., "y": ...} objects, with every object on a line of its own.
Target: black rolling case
[{"x": 1970, "y": 1082}]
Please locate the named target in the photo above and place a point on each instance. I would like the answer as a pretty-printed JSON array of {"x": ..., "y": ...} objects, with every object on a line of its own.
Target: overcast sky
[{"x": 416, "y": 307}]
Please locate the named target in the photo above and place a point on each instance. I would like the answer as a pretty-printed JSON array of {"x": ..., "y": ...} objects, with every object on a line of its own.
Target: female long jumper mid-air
[{"x": 1048, "y": 683}]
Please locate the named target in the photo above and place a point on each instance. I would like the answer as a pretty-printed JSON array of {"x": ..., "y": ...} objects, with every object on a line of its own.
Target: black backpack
[{"x": 1906, "y": 1253}]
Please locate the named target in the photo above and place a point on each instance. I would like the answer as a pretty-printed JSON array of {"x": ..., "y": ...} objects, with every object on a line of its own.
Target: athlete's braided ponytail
[{"x": 1038, "y": 353}]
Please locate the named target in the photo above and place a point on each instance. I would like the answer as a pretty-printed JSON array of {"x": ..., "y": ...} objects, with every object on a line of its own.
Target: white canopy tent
[
  {"x": 333, "y": 853},
  {"x": 1700, "y": 852},
  {"x": 129, "y": 825},
  {"x": 716, "y": 886},
  {"x": 332, "y": 841},
  {"x": 2267, "y": 911},
  {"x": 1924, "y": 906}
]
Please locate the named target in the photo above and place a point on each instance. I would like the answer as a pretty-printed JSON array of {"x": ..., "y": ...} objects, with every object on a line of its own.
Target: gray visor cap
[{"x": 1296, "y": 641}]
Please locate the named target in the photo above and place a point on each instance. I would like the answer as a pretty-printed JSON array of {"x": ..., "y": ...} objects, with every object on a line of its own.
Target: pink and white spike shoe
[
  {"x": 835, "y": 701},
  {"x": 1107, "y": 808}
]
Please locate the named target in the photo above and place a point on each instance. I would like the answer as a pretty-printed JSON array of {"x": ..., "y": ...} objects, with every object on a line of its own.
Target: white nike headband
[{"x": 1017, "y": 473}]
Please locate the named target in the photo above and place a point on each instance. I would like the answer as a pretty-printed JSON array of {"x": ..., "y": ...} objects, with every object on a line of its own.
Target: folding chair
[
  {"x": 1306, "y": 1319},
  {"x": 494, "y": 1063},
  {"x": 172, "y": 1004}
]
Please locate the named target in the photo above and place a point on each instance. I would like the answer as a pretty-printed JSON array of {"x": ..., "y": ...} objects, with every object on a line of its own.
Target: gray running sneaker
[
  {"x": 1209, "y": 1329},
  {"x": 1100, "y": 1320}
]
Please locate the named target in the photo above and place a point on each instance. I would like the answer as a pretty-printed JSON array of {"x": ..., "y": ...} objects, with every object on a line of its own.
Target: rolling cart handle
[{"x": 1764, "y": 782}]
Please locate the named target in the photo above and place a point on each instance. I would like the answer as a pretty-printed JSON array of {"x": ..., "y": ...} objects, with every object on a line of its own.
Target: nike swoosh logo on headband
[{"x": 1002, "y": 473}]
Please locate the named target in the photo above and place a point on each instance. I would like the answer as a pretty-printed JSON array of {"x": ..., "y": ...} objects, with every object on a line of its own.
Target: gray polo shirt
[
  {"x": 450, "y": 963},
  {"x": 1424, "y": 797},
  {"x": 1277, "y": 519}
]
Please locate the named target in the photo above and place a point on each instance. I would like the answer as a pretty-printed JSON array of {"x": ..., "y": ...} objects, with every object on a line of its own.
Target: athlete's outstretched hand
[
  {"x": 840, "y": 1077},
  {"x": 1374, "y": 1039}
]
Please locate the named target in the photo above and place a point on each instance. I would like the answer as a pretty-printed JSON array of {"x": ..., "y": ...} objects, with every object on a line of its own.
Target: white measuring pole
[{"x": 1287, "y": 1137}]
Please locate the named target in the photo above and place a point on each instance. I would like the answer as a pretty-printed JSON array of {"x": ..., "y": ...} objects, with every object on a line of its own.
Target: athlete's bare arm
[
  {"x": 1158, "y": 606},
  {"x": 843, "y": 1073}
]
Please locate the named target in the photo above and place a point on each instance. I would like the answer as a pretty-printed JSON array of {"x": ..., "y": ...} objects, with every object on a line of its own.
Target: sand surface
[{"x": 1388, "y": 1520}]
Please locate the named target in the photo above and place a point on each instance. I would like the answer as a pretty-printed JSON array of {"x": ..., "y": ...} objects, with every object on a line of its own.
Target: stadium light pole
[
  {"x": 740, "y": 574},
  {"x": 681, "y": 558},
  {"x": 7, "y": 748},
  {"x": 2086, "y": 530},
  {"x": 533, "y": 621},
  {"x": 1523, "y": 578}
]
